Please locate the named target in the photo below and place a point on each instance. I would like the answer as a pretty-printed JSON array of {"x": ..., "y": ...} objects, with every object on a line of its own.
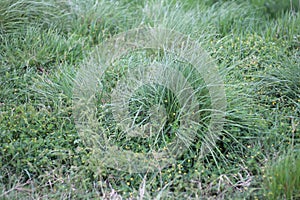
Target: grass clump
[
  {"x": 38, "y": 48},
  {"x": 22, "y": 13},
  {"x": 282, "y": 177}
]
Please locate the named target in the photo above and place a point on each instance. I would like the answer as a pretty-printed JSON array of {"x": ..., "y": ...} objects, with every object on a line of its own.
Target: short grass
[{"x": 256, "y": 46}]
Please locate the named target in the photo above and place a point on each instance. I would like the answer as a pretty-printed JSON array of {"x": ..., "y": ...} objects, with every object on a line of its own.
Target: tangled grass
[{"x": 44, "y": 44}]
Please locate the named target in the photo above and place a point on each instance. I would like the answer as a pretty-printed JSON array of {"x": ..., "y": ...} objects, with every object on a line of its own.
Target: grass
[
  {"x": 43, "y": 46},
  {"x": 282, "y": 177}
]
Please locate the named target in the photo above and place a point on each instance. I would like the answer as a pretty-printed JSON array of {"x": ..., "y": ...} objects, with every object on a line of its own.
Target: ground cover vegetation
[{"x": 256, "y": 46}]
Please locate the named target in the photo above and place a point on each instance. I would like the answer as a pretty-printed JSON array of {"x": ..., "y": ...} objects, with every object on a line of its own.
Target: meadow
[{"x": 44, "y": 44}]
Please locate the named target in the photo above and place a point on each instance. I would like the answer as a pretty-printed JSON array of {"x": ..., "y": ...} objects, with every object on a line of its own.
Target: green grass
[
  {"x": 282, "y": 177},
  {"x": 256, "y": 45}
]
